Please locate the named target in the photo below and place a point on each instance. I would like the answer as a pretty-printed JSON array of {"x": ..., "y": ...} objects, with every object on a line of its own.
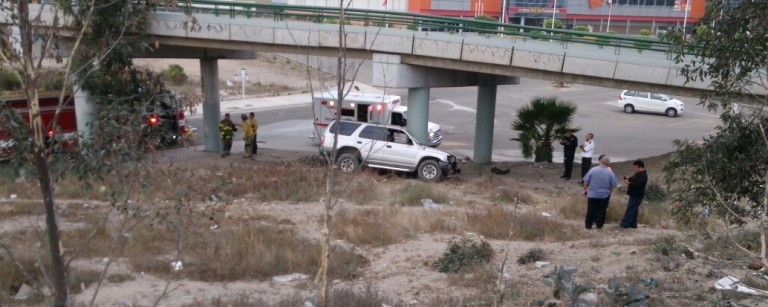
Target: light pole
[
  {"x": 685, "y": 19},
  {"x": 610, "y": 8},
  {"x": 242, "y": 82},
  {"x": 554, "y": 10}
]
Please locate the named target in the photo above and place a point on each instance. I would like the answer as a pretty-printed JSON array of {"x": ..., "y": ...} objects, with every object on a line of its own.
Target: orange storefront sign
[{"x": 596, "y": 3}]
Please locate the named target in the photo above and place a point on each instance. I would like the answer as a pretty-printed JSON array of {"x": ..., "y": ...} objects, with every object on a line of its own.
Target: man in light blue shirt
[{"x": 599, "y": 183}]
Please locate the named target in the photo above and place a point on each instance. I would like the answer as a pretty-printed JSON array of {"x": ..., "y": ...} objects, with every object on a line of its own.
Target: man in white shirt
[{"x": 587, "y": 149}]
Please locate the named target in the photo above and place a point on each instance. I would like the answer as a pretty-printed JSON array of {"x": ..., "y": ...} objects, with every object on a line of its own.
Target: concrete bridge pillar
[
  {"x": 484, "y": 119},
  {"x": 85, "y": 114},
  {"x": 209, "y": 72},
  {"x": 418, "y": 112}
]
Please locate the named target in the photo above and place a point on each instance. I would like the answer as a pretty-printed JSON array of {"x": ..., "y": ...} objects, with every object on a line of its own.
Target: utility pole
[
  {"x": 610, "y": 8},
  {"x": 243, "y": 76},
  {"x": 554, "y": 10},
  {"x": 685, "y": 19}
]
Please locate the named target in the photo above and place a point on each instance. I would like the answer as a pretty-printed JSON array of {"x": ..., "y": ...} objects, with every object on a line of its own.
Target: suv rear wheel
[
  {"x": 348, "y": 163},
  {"x": 429, "y": 170},
  {"x": 628, "y": 108}
]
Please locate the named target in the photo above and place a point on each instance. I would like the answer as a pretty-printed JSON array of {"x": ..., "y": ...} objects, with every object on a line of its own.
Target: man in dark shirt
[
  {"x": 636, "y": 191},
  {"x": 570, "y": 142}
]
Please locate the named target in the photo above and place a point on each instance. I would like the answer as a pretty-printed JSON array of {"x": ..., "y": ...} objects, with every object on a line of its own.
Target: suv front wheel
[
  {"x": 430, "y": 171},
  {"x": 348, "y": 163}
]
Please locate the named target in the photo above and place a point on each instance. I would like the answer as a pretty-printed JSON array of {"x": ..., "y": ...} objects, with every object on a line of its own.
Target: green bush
[
  {"x": 175, "y": 74},
  {"x": 464, "y": 253},
  {"x": 581, "y": 28},
  {"x": 665, "y": 245},
  {"x": 548, "y": 24},
  {"x": 9, "y": 81},
  {"x": 645, "y": 33},
  {"x": 655, "y": 193},
  {"x": 531, "y": 256}
]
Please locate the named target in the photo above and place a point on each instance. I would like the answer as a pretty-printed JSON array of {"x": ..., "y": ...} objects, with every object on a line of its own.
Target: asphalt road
[{"x": 619, "y": 135}]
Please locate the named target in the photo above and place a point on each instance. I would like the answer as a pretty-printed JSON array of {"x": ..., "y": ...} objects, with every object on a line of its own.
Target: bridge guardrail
[{"x": 416, "y": 22}]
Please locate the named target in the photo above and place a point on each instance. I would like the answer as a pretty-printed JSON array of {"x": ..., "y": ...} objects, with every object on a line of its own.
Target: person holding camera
[
  {"x": 570, "y": 142},
  {"x": 587, "y": 150},
  {"x": 636, "y": 191}
]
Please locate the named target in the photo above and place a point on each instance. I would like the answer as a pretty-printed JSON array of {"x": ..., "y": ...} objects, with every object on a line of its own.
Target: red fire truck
[
  {"x": 167, "y": 116},
  {"x": 65, "y": 131}
]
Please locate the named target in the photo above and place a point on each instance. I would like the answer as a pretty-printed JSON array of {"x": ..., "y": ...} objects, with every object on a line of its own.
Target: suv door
[
  {"x": 658, "y": 103},
  {"x": 399, "y": 150},
  {"x": 370, "y": 142},
  {"x": 641, "y": 101}
]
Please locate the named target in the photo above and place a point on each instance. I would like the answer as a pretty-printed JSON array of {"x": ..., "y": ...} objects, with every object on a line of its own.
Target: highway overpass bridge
[{"x": 411, "y": 51}]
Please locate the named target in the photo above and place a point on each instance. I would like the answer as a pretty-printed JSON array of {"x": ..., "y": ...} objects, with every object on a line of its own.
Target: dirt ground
[{"x": 402, "y": 272}]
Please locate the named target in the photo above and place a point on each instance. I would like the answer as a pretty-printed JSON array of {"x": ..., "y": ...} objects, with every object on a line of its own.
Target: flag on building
[{"x": 596, "y": 3}]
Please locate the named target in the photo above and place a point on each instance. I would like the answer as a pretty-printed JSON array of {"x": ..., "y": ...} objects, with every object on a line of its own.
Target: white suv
[
  {"x": 387, "y": 147},
  {"x": 631, "y": 101}
]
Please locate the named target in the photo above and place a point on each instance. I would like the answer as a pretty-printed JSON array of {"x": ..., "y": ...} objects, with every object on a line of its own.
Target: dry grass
[
  {"x": 364, "y": 189},
  {"x": 385, "y": 226},
  {"x": 413, "y": 192},
  {"x": 260, "y": 251},
  {"x": 502, "y": 224},
  {"x": 653, "y": 214},
  {"x": 11, "y": 209}
]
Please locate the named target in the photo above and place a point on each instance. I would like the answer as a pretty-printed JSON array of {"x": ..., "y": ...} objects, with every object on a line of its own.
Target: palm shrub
[{"x": 541, "y": 122}]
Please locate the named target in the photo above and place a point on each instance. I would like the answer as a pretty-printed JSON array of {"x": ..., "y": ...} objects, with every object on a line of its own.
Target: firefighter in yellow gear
[
  {"x": 255, "y": 126},
  {"x": 248, "y": 136},
  {"x": 227, "y": 129}
]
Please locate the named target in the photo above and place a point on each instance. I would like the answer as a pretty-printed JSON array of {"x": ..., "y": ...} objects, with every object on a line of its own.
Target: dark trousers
[
  {"x": 227, "y": 145},
  {"x": 630, "y": 216},
  {"x": 596, "y": 208},
  {"x": 586, "y": 164},
  {"x": 568, "y": 162},
  {"x": 255, "y": 147}
]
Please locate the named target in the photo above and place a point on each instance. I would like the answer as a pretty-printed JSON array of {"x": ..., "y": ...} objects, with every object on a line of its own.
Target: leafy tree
[
  {"x": 726, "y": 174},
  {"x": 541, "y": 122},
  {"x": 548, "y": 24},
  {"x": 175, "y": 74},
  {"x": 92, "y": 21}
]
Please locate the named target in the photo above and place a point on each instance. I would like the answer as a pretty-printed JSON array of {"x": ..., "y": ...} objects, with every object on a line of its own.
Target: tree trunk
[{"x": 40, "y": 160}]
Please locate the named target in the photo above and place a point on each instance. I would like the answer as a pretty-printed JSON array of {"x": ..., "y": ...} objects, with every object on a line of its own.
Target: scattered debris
[
  {"x": 566, "y": 270},
  {"x": 215, "y": 226},
  {"x": 13, "y": 196},
  {"x": 541, "y": 264},
  {"x": 307, "y": 304},
  {"x": 24, "y": 292},
  {"x": 177, "y": 265},
  {"x": 429, "y": 204},
  {"x": 290, "y": 277},
  {"x": 732, "y": 283},
  {"x": 546, "y": 214},
  {"x": 499, "y": 171},
  {"x": 649, "y": 282}
]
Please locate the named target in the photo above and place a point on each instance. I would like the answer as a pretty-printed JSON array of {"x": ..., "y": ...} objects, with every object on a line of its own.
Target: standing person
[
  {"x": 227, "y": 129},
  {"x": 587, "y": 150},
  {"x": 598, "y": 186},
  {"x": 636, "y": 191},
  {"x": 570, "y": 142},
  {"x": 255, "y": 125},
  {"x": 248, "y": 135}
]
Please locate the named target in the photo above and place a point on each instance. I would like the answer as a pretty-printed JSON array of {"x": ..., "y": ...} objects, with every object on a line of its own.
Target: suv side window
[
  {"x": 346, "y": 128},
  {"x": 374, "y": 133},
  {"x": 641, "y": 94},
  {"x": 659, "y": 97}
]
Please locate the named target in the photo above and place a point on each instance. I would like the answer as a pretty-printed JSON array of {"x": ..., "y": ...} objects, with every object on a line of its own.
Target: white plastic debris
[
  {"x": 290, "y": 277},
  {"x": 215, "y": 226},
  {"x": 546, "y": 214},
  {"x": 13, "y": 196},
  {"x": 732, "y": 283},
  {"x": 541, "y": 264},
  {"x": 308, "y": 304},
  {"x": 429, "y": 204},
  {"x": 177, "y": 265},
  {"x": 24, "y": 292}
]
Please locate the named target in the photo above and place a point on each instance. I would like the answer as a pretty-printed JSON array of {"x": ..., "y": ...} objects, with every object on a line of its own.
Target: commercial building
[{"x": 620, "y": 16}]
